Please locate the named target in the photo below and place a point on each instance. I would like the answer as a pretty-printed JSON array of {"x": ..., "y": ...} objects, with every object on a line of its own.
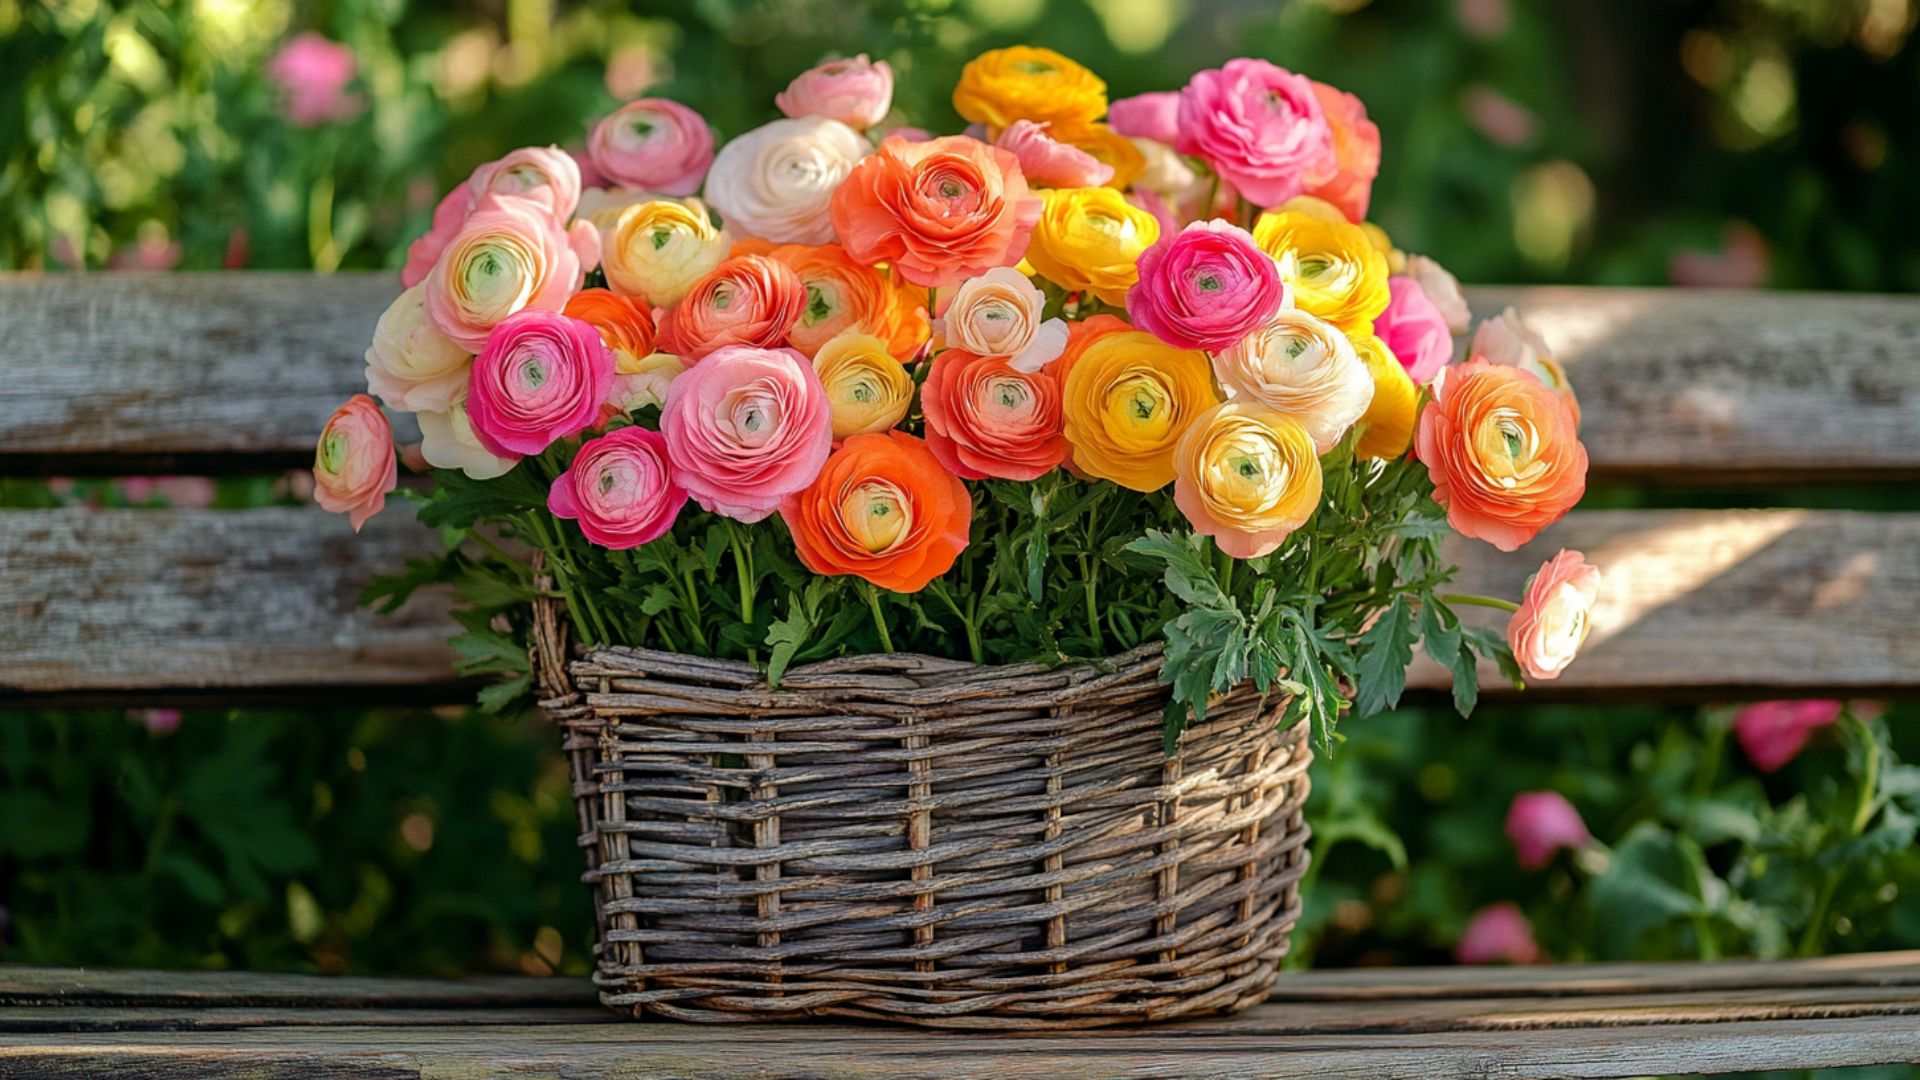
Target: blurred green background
[{"x": 1687, "y": 142}]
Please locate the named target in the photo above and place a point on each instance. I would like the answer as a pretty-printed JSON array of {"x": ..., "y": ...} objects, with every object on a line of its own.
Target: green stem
[
  {"x": 940, "y": 593},
  {"x": 743, "y": 566},
  {"x": 1863, "y": 810},
  {"x": 879, "y": 620},
  {"x": 1476, "y": 601},
  {"x": 1090, "y": 574},
  {"x": 1223, "y": 564}
]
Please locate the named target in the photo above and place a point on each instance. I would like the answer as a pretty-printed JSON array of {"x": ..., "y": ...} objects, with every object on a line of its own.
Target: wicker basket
[{"x": 925, "y": 841}]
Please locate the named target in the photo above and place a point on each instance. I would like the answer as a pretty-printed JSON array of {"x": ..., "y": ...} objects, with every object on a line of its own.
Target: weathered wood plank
[{"x": 233, "y": 372}]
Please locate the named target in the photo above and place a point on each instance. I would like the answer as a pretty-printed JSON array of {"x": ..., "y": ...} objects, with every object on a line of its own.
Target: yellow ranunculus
[
  {"x": 868, "y": 391},
  {"x": 1091, "y": 239},
  {"x": 1027, "y": 83},
  {"x": 656, "y": 250},
  {"x": 1128, "y": 399},
  {"x": 1390, "y": 417},
  {"x": 1246, "y": 476},
  {"x": 1109, "y": 147},
  {"x": 1333, "y": 268}
]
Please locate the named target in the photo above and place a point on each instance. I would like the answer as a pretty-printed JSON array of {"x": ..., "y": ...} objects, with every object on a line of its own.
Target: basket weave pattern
[{"x": 926, "y": 841}]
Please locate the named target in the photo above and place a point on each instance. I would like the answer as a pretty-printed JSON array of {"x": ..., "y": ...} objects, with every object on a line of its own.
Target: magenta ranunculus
[
  {"x": 1415, "y": 329},
  {"x": 653, "y": 144},
  {"x": 313, "y": 74},
  {"x": 1153, "y": 116},
  {"x": 1260, "y": 127},
  {"x": 1205, "y": 287},
  {"x": 541, "y": 377},
  {"x": 746, "y": 428},
  {"x": 1498, "y": 933},
  {"x": 621, "y": 487},
  {"x": 1542, "y": 822},
  {"x": 1048, "y": 162},
  {"x": 856, "y": 92},
  {"x": 1774, "y": 732}
]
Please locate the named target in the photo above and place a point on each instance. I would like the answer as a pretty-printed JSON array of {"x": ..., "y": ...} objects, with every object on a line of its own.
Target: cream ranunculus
[
  {"x": 777, "y": 181},
  {"x": 867, "y": 389},
  {"x": 1510, "y": 341},
  {"x": 1301, "y": 367},
  {"x": 656, "y": 250},
  {"x": 1246, "y": 476},
  {"x": 998, "y": 314},
  {"x": 639, "y": 381},
  {"x": 411, "y": 365},
  {"x": 447, "y": 442}
]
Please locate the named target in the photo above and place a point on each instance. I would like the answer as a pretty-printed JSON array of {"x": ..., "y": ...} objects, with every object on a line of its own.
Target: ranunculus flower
[
  {"x": 1395, "y": 406},
  {"x": 868, "y": 389},
  {"x": 1128, "y": 399},
  {"x": 1109, "y": 148},
  {"x": 621, "y": 488},
  {"x": 999, "y": 314},
  {"x": 1048, "y": 162},
  {"x": 1444, "y": 290},
  {"x": 1503, "y": 452},
  {"x": 1356, "y": 152},
  {"x": 624, "y": 326},
  {"x": 856, "y": 92},
  {"x": 1205, "y": 287},
  {"x": 1414, "y": 329},
  {"x": 1260, "y": 127},
  {"x": 1498, "y": 933},
  {"x": 1028, "y": 83},
  {"x": 1555, "y": 616},
  {"x": 1300, "y": 367},
  {"x": 640, "y": 381},
  {"x": 1246, "y": 476},
  {"x": 1090, "y": 239},
  {"x": 1542, "y": 822},
  {"x": 656, "y": 250},
  {"x": 746, "y": 428},
  {"x": 1774, "y": 732},
  {"x": 653, "y": 144},
  {"x": 354, "y": 465},
  {"x": 509, "y": 254},
  {"x": 1153, "y": 116},
  {"x": 883, "y": 509},
  {"x": 776, "y": 181},
  {"x": 748, "y": 300},
  {"x": 541, "y": 377},
  {"x": 936, "y": 211},
  {"x": 543, "y": 174},
  {"x": 1509, "y": 341},
  {"x": 447, "y": 441},
  {"x": 1167, "y": 174},
  {"x": 411, "y": 364},
  {"x": 1332, "y": 267},
  {"x": 313, "y": 74},
  {"x": 984, "y": 418},
  {"x": 842, "y": 295}
]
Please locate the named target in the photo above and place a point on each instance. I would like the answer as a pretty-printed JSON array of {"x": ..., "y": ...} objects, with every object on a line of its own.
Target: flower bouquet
[{"x": 941, "y": 551}]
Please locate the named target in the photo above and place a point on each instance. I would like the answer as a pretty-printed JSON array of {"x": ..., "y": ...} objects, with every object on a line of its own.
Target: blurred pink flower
[
  {"x": 1540, "y": 823},
  {"x": 631, "y": 69},
  {"x": 1498, "y": 117},
  {"x": 1774, "y": 732},
  {"x": 1496, "y": 933},
  {"x": 1741, "y": 263},
  {"x": 239, "y": 249},
  {"x": 149, "y": 253},
  {"x": 156, "y": 721},
  {"x": 189, "y": 492},
  {"x": 313, "y": 74},
  {"x": 1483, "y": 19}
]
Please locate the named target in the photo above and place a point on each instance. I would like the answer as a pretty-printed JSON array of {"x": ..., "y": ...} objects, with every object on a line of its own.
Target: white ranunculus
[
  {"x": 411, "y": 365},
  {"x": 777, "y": 181},
  {"x": 447, "y": 442},
  {"x": 998, "y": 314},
  {"x": 1443, "y": 289},
  {"x": 1301, "y": 367}
]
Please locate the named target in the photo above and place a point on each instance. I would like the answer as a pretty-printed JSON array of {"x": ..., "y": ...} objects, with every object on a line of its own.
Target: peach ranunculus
[
  {"x": 883, "y": 509},
  {"x": 777, "y": 181},
  {"x": 541, "y": 378},
  {"x": 1050, "y": 163},
  {"x": 656, "y": 250},
  {"x": 999, "y": 314},
  {"x": 544, "y": 174},
  {"x": 856, "y": 92},
  {"x": 652, "y": 144},
  {"x": 411, "y": 365},
  {"x": 621, "y": 489},
  {"x": 986, "y": 419},
  {"x": 868, "y": 390},
  {"x": 1128, "y": 399},
  {"x": 1555, "y": 616},
  {"x": 1091, "y": 239},
  {"x": 640, "y": 381},
  {"x": 936, "y": 211},
  {"x": 354, "y": 464},
  {"x": 1503, "y": 452},
  {"x": 1444, "y": 290},
  {"x": 1510, "y": 341},
  {"x": 1356, "y": 152},
  {"x": 1300, "y": 367},
  {"x": 1246, "y": 476},
  {"x": 845, "y": 295},
  {"x": 1395, "y": 407},
  {"x": 746, "y": 428},
  {"x": 447, "y": 441},
  {"x": 1028, "y": 83},
  {"x": 509, "y": 254},
  {"x": 1332, "y": 267},
  {"x": 748, "y": 300}
]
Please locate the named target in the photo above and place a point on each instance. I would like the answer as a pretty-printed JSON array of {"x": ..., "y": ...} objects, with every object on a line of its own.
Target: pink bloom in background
[
  {"x": 1205, "y": 287},
  {"x": 186, "y": 492},
  {"x": 546, "y": 175},
  {"x": 654, "y": 144},
  {"x": 631, "y": 69},
  {"x": 1356, "y": 153},
  {"x": 313, "y": 74},
  {"x": 856, "y": 92},
  {"x": 1542, "y": 822},
  {"x": 747, "y": 427},
  {"x": 541, "y": 377},
  {"x": 354, "y": 464},
  {"x": 1415, "y": 329},
  {"x": 156, "y": 721},
  {"x": 239, "y": 249},
  {"x": 1774, "y": 732},
  {"x": 1049, "y": 163},
  {"x": 621, "y": 488},
  {"x": 1741, "y": 263},
  {"x": 1501, "y": 119},
  {"x": 1147, "y": 116},
  {"x": 1483, "y": 19},
  {"x": 1498, "y": 933},
  {"x": 1555, "y": 616},
  {"x": 1260, "y": 127},
  {"x": 910, "y": 134},
  {"x": 149, "y": 253}
]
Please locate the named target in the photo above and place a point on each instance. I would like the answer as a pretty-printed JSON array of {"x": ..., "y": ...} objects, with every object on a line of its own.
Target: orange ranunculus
[
  {"x": 936, "y": 211},
  {"x": 842, "y": 294},
  {"x": 987, "y": 419},
  {"x": 884, "y": 509},
  {"x": 749, "y": 300},
  {"x": 1356, "y": 150},
  {"x": 625, "y": 327},
  {"x": 1503, "y": 451}
]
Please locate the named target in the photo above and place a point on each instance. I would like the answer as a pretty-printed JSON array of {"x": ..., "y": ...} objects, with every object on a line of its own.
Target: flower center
[
  {"x": 333, "y": 451},
  {"x": 877, "y": 514},
  {"x": 820, "y": 305}
]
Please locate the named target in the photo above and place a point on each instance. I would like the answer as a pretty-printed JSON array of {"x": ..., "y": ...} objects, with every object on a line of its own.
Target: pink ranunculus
[
  {"x": 1260, "y": 127},
  {"x": 1555, "y": 616},
  {"x": 747, "y": 427},
  {"x": 546, "y": 175},
  {"x": 1444, "y": 290},
  {"x": 1498, "y": 933},
  {"x": 510, "y": 253},
  {"x": 1542, "y": 822},
  {"x": 655, "y": 144},
  {"x": 1049, "y": 163},
  {"x": 541, "y": 377},
  {"x": 313, "y": 74},
  {"x": 621, "y": 487},
  {"x": 1356, "y": 153},
  {"x": 1205, "y": 287},
  {"x": 1153, "y": 116},
  {"x": 354, "y": 464},
  {"x": 1415, "y": 329},
  {"x": 1774, "y": 732},
  {"x": 856, "y": 92}
]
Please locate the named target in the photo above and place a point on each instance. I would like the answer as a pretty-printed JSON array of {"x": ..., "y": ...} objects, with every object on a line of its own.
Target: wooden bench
[{"x": 224, "y": 374}]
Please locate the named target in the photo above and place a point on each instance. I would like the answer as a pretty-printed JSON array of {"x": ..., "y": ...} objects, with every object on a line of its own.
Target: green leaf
[
  {"x": 787, "y": 636},
  {"x": 1188, "y": 573},
  {"x": 460, "y": 502},
  {"x": 1385, "y": 650},
  {"x": 495, "y": 697}
]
